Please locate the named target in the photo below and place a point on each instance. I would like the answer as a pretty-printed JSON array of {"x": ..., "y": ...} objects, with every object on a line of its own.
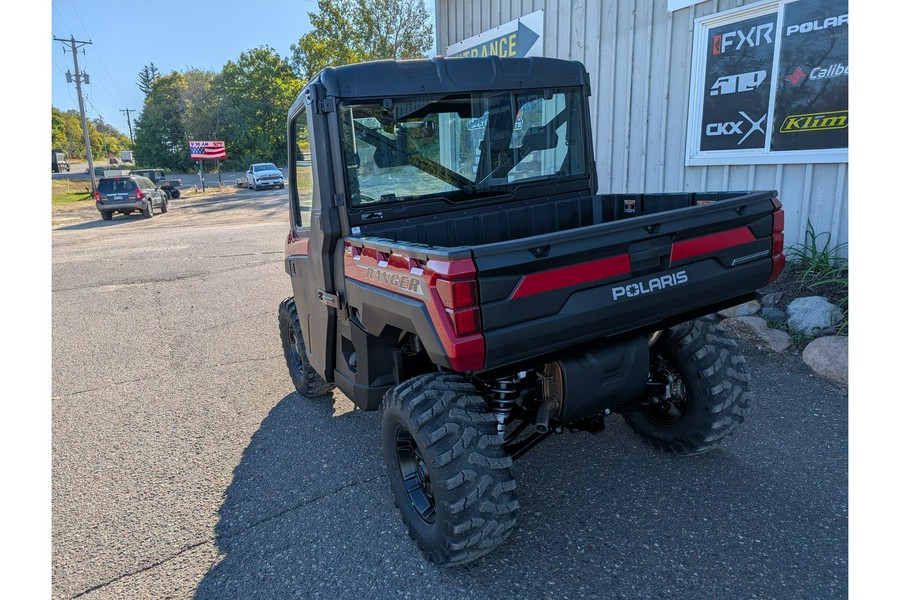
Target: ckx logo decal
[
  {"x": 736, "y": 40},
  {"x": 734, "y": 84},
  {"x": 736, "y": 127}
]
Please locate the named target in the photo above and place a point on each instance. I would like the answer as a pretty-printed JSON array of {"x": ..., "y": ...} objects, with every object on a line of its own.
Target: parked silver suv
[{"x": 129, "y": 194}]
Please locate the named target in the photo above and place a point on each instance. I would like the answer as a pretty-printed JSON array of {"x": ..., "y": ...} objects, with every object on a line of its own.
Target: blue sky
[{"x": 173, "y": 35}]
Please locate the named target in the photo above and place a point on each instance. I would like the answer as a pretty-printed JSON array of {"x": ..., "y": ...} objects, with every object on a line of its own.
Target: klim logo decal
[
  {"x": 735, "y": 84},
  {"x": 824, "y": 121},
  {"x": 633, "y": 290},
  {"x": 738, "y": 40},
  {"x": 736, "y": 127}
]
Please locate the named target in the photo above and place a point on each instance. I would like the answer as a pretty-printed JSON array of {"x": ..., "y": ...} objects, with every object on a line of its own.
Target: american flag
[{"x": 204, "y": 150}]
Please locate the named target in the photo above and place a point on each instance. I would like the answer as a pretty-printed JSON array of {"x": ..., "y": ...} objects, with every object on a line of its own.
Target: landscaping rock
[
  {"x": 755, "y": 330},
  {"x": 773, "y": 315},
  {"x": 829, "y": 357},
  {"x": 746, "y": 309},
  {"x": 810, "y": 315},
  {"x": 772, "y": 299}
]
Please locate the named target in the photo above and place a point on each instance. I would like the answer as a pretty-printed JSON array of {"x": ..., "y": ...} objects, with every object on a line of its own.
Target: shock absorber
[{"x": 501, "y": 399}]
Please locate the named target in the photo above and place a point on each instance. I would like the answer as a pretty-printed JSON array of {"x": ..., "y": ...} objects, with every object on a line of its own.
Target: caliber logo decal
[
  {"x": 734, "y": 84},
  {"x": 830, "y": 71},
  {"x": 401, "y": 282},
  {"x": 823, "y": 121},
  {"x": 632, "y": 290},
  {"x": 736, "y": 40},
  {"x": 796, "y": 76},
  {"x": 816, "y": 25},
  {"x": 735, "y": 127}
]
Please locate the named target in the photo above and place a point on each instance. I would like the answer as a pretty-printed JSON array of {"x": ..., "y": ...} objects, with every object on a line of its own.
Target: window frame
[{"x": 694, "y": 157}]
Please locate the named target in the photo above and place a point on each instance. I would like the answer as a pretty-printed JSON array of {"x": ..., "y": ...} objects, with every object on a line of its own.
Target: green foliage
[
  {"x": 66, "y": 134},
  {"x": 160, "y": 134},
  {"x": 257, "y": 90},
  {"x": 147, "y": 77},
  {"x": 817, "y": 258},
  {"x": 348, "y": 31},
  {"x": 823, "y": 266}
]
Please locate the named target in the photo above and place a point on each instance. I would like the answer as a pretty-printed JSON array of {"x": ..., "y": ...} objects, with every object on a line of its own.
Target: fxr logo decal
[
  {"x": 632, "y": 290},
  {"x": 758, "y": 35}
]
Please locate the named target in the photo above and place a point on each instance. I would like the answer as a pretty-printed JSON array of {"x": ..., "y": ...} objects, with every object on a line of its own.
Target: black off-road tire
[
  {"x": 702, "y": 361},
  {"x": 106, "y": 215},
  {"x": 176, "y": 194},
  {"x": 168, "y": 193},
  {"x": 306, "y": 380},
  {"x": 452, "y": 481}
]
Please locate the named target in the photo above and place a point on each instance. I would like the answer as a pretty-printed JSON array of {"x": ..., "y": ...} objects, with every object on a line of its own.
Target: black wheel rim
[
  {"x": 666, "y": 394},
  {"x": 414, "y": 475},
  {"x": 295, "y": 351}
]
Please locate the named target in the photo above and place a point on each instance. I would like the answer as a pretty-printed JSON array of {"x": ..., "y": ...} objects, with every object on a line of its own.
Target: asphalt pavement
[{"x": 185, "y": 465}]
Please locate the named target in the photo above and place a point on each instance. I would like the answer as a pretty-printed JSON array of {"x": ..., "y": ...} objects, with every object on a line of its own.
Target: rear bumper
[{"x": 120, "y": 206}]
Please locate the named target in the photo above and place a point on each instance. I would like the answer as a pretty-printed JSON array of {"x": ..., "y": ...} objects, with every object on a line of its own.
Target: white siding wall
[{"x": 639, "y": 58}]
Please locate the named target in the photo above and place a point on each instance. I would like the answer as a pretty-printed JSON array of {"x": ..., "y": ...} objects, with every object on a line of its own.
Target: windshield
[
  {"x": 265, "y": 167},
  {"x": 461, "y": 145}
]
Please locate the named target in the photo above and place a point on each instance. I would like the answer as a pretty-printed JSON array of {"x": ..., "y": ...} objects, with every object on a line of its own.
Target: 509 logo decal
[{"x": 734, "y": 84}]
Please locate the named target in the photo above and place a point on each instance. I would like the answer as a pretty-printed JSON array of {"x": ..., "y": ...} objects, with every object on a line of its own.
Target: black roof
[{"x": 442, "y": 75}]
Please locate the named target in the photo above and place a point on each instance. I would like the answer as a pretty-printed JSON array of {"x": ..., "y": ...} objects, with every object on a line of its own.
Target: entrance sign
[{"x": 520, "y": 38}]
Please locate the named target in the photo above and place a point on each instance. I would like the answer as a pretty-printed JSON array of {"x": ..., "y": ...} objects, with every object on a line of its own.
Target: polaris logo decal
[
  {"x": 633, "y": 290},
  {"x": 401, "y": 282}
]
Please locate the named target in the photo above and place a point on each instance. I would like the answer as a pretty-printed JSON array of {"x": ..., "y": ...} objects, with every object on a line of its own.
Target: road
[{"x": 184, "y": 464}]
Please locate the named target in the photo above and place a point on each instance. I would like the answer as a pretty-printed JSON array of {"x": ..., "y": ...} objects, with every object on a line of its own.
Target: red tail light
[
  {"x": 458, "y": 292},
  {"x": 97, "y": 197},
  {"x": 777, "y": 240},
  {"x": 139, "y": 194}
]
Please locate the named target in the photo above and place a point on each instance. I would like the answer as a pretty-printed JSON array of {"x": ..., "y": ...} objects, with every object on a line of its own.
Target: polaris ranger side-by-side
[{"x": 459, "y": 272}]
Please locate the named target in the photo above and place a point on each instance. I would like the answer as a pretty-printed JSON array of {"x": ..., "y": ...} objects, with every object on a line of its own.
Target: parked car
[
  {"x": 129, "y": 194},
  {"x": 158, "y": 176},
  {"x": 261, "y": 175},
  {"x": 59, "y": 163},
  {"x": 126, "y": 156}
]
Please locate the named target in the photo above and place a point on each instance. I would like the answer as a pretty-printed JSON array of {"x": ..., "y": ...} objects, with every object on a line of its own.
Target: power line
[{"x": 75, "y": 45}]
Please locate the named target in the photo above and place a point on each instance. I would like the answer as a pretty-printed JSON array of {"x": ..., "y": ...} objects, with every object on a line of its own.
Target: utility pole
[
  {"x": 128, "y": 112},
  {"x": 76, "y": 44}
]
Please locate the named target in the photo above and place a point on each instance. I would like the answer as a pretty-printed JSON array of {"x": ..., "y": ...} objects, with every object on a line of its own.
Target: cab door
[{"x": 311, "y": 251}]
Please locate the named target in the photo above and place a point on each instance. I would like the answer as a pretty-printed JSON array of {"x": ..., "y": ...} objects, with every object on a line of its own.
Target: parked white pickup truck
[{"x": 261, "y": 175}]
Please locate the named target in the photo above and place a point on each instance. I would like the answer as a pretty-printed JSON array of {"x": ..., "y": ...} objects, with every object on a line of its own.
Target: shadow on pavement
[{"x": 309, "y": 514}]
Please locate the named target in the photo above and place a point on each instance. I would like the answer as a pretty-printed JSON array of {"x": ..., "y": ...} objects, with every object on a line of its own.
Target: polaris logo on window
[{"x": 633, "y": 290}]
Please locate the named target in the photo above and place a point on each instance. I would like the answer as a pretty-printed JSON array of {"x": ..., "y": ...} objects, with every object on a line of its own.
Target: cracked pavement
[{"x": 184, "y": 465}]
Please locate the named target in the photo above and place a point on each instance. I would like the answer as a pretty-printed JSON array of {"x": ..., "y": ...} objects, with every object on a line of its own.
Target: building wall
[{"x": 639, "y": 59}]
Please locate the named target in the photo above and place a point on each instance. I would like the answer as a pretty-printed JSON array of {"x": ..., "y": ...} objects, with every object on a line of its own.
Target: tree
[
  {"x": 67, "y": 135},
  {"x": 147, "y": 76},
  {"x": 256, "y": 92},
  {"x": 160, "y": 137},
  {"x": 347, "y": 31}
]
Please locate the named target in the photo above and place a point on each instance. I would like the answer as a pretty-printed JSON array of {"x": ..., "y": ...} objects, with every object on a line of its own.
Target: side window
[{"x": 300, "y": 163}]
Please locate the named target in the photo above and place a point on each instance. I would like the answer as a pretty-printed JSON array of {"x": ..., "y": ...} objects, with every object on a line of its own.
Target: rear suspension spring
[{"x": 501, "y": 399}]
